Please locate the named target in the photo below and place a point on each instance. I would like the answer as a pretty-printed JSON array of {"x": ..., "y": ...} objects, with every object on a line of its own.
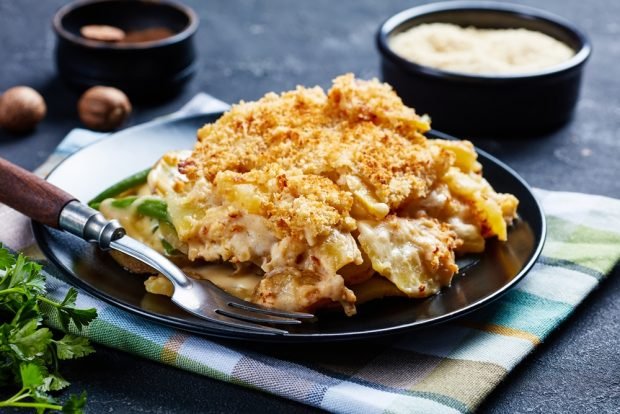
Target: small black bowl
[
  {"x": 150, "y": 69},
  {"x": 487, "y": 105}
]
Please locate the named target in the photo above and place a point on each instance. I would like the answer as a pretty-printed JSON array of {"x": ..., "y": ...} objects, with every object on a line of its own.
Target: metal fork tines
[{"x": 205, "y": 300}]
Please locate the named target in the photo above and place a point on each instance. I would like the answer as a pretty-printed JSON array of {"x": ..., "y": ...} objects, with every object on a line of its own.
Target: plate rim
[{"x": 42, "y": 233}]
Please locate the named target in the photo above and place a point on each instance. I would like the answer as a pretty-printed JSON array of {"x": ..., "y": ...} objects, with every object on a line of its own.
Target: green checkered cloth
[{"x": 445, "y": 369}]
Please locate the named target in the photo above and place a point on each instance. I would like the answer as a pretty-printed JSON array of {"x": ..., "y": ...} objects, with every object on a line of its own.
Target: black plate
[{"x": 97, "y": 166}]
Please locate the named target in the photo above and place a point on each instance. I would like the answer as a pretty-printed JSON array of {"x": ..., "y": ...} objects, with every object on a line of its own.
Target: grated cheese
[{"x": 479, "y": 51}]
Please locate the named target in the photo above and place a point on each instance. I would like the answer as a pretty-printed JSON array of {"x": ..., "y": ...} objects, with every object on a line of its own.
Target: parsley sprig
[{"x": 29, "y": 352}]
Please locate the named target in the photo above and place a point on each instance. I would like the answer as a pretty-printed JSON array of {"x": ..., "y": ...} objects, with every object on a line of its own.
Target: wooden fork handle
[{"x": 31, "y": 195}]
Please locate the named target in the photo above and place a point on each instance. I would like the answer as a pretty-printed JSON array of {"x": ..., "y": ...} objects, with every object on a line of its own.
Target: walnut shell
[
  {"x": 104, "y": 108},
  {"x": 21, "y": 109}
]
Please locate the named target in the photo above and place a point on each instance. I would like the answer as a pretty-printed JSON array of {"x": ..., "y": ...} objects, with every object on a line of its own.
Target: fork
[{"x": 49, "y": 205}]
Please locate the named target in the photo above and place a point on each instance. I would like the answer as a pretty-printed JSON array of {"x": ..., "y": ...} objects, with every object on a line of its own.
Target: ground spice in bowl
[{"x": 112, "y": 34}]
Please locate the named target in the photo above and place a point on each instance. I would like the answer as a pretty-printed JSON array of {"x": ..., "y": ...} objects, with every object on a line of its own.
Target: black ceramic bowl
[
  {"x": 487, "y": 105},
  {"x": 147, "y": 69}
]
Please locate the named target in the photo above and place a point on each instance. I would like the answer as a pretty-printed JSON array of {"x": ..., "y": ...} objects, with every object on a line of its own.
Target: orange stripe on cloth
[
  {"x": 170, "y": 352},
  {"x": 502, "y": 330}
]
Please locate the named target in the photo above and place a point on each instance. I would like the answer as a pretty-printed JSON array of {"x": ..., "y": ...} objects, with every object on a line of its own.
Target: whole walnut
[
  {"x": 104, "y": 108},
  {"x": 21, "y": 109}
]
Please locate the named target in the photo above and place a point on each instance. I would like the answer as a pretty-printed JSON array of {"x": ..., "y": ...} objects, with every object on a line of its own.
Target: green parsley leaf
[
  {"x": 29, "y": 341},
  {"x": 71, "y": 346},
  {"x": 79, "y": 317},
  {"x": 26, "y": 274},
  {"x": 6, "y": 258},
  {"x": 75, "y": 405},
  {"x": 67, "y": 312},
  {"x": 28, "y": 311},
  {"x": 31, "y": 375},
  {"x": 54, "y": 382},
  {"x": 29, "y": 354},
  {"x": 70, "y": 297}
]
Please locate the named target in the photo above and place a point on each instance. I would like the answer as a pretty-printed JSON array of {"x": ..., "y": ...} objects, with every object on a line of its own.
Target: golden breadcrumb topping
[
  {"x": 301, "y": 205},
  {"x": 359, "y": 127}
]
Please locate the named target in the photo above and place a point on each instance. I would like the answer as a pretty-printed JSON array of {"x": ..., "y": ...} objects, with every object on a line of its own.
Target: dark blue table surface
[{"x": 576, "y": 370}]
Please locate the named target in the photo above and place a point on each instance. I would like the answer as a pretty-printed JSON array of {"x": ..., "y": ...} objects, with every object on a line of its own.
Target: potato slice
[{"x": 417, "y": 255}]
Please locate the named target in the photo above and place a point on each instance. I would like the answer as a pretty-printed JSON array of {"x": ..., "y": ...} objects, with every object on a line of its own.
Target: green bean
[
  {"x": 121, "y": 186},
  {"x": 169, "y": 249},
  {"x": 123, "y": 202},
  {"x": 154, "y": 208}
]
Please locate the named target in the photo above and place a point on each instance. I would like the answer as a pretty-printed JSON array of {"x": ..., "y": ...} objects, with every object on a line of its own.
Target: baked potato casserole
[{"x": 309, "y": 200}]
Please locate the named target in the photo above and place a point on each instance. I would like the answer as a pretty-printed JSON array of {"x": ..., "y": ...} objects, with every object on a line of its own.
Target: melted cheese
[
  {"x": 143, "y": 229},
  {"x": 240, "y": 283},
  {"x": 376, "y": 287},
  {"x": 165, "y": 173}
]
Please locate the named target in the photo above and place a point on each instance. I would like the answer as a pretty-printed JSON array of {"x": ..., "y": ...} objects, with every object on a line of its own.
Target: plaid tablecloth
[{"x": 443, "y": 369}]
